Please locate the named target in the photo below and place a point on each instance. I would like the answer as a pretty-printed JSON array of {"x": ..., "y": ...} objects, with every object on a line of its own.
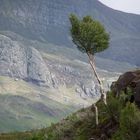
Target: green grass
[
  {"x": 19, "y": 114},
  {"x": 118, "y": 121}
]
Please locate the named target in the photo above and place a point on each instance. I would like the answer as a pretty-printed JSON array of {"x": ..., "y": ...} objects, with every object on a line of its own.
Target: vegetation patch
[{"x": 118, "y": 121}]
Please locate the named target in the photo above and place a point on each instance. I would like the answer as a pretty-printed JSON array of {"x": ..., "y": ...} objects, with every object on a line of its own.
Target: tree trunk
[
  {"x": 103, "y": 95},
  {"x": 91, "y": 61},
  {"x": 96, "y": 114}
]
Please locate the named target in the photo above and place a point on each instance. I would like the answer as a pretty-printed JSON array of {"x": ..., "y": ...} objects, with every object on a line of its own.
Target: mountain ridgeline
[{"x": 47, "y": 21}]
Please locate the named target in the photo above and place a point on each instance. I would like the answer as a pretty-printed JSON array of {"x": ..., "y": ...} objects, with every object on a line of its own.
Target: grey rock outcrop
[
  {"x": 17, "y": 61},
  {"x": 90, "y": 91}
]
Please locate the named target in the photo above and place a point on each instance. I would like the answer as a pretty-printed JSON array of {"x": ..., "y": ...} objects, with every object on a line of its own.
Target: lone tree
[{"x": 90, "y": 37}]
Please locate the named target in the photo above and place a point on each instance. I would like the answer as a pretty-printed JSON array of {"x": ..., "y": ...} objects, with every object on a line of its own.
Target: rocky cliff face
[
  {"x": 20, "y": 62},
  {"x": 47, "y": 20}
]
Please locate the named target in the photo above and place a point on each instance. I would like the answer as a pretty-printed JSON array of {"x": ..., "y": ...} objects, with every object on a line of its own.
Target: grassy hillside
[
  {"x": 21, "y": 101},
  {"x": 24, "y": 106},
  {"x": 118, "y": 121},
  {"x": 19, "y": 113}
]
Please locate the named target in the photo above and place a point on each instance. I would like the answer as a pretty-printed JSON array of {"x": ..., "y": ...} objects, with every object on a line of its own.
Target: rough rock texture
[
  {"x": 19, "y": 62},
  {"x": 91, "y": 91},
  {"x": 130, "y": 79},
  {"x": 78, "y": 78}
]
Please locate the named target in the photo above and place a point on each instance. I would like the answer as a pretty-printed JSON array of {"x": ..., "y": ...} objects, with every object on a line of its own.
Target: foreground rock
[{"x": 130, "y": 80}]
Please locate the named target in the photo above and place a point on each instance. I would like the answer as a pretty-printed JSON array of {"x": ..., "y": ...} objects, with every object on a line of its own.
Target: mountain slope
[
  {"x": 40, "y": 69},
  {"x": 66, "y": 85},
  {"x": 72, "y": 86},
  {"x": 118, "y": 121},
  {"x": 22, "y": 104},
  {"x": 48, "y": 21}
]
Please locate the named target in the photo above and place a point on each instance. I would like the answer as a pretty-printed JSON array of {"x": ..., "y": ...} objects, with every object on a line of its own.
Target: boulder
[{"x": 127, "y": 80}]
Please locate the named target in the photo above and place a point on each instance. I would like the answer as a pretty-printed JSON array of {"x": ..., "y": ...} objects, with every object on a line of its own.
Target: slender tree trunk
[
  {"x": 103, "y": 95},
  {"x": 91, "y": 61},
  {"x": 96, "y": 114}
]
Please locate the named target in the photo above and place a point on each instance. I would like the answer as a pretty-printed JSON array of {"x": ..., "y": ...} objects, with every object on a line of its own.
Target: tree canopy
[{"x": 88, "y": 35}]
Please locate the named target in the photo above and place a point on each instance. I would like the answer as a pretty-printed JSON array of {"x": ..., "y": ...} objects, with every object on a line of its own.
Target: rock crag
[
  {"x": 130, "y": 80},
  {"x": 17, "y": 61}
]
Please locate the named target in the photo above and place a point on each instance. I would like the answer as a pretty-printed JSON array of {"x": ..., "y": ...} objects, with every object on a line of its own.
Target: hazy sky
[{"x": 129, "y": 6}]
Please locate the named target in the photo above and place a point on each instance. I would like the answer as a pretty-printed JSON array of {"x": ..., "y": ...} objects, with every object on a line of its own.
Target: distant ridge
[{"x": 47, "y": 20}]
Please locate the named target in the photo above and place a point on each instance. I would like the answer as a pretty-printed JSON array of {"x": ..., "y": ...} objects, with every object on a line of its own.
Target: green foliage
[
  {"x": 129, "y": 124},
  {"x": 112, "y": 110},
  {"x": 88, "y": 35},
  {"x": 38, "y": 136},
  {"x": 126, "y": 96},
  {"x": 119, "y": 120},
  {"x": 114, "y": 107}
]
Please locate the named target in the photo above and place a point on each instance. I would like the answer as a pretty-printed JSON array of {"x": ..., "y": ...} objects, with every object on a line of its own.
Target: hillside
[
  {"x": 43, "y": 77},
  {"x": 44, "y": 97},
  {"x": 22, "y": 104},
  {"x": 119, "y": 120},
  {"x": 47, "y": 21}
]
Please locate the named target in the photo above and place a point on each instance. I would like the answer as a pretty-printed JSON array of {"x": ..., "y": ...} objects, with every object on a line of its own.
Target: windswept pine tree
[{"x": 90, "y": 37}]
